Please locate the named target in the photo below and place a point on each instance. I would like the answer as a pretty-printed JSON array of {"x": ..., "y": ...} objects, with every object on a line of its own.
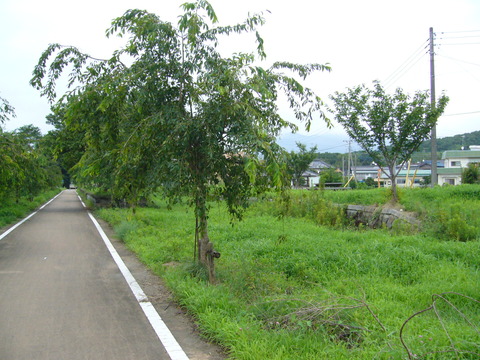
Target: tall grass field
[{"x": 292, "y": 285}]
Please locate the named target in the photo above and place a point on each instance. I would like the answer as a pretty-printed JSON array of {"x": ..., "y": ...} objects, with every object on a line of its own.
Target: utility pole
[
  {"x": 349, "y": 158},
  {"x": 434, "y": 176}
]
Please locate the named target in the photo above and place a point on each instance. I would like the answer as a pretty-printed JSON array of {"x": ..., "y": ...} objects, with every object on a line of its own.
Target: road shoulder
[{"x": 180, "y": 324}]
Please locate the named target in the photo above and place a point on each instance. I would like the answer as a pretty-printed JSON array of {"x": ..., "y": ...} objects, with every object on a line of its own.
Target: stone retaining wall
[{"x": 376, "y": 217}]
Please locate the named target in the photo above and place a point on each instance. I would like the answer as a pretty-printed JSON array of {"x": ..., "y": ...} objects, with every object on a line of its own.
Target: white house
[
  {"x": 364, "y": 172},
  {"x": 455, "y": 161},
  {"x": 312, "y": 179},
  {"x": 319, "y": 165},
  {"x": 461, "y": 158}
]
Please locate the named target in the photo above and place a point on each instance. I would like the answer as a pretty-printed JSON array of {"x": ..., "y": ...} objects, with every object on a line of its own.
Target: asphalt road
[{"x": 63, "y": 297}]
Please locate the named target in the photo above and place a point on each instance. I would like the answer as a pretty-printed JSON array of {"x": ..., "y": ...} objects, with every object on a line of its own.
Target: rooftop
[
  {"x": 461, "y": 154},
  {"x": 450, "y": 171}
]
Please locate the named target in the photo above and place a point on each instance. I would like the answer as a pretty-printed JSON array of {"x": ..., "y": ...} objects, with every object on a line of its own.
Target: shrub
[
  {"x": 453, "y": 223},
  {"x": 471, "y": 174}
]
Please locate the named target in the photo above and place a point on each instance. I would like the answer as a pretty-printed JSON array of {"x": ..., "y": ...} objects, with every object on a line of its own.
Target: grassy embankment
[
  {"x": 294, "y": 289},
  {"x": 11, "y": 210}
]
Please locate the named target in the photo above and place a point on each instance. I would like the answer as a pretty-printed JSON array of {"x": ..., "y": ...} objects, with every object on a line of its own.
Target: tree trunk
[
  {"x": 206, "y": 253},
  {"x": 393, "y": 177}
]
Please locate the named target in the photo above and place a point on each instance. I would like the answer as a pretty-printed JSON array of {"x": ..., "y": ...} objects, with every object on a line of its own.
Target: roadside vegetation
[
  {"x": 13, "y": 210},
  {"x": 291, "y": 286},
  {"x": 29, "y": 173},
  {"x": 295, "y": 279}
]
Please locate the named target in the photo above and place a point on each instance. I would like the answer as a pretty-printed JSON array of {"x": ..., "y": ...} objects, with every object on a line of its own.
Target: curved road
[{"x": 63, "y": 296}]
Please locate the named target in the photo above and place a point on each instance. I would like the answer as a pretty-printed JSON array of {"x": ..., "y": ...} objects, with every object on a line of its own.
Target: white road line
[
  {"x": 28, "y": 217},
  {"x": 171, "y": 345}
]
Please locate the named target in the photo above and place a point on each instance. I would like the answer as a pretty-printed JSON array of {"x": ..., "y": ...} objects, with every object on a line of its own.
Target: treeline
[
  {"x": 27, "y": 165},
  {"x": 453, "y": 142}
]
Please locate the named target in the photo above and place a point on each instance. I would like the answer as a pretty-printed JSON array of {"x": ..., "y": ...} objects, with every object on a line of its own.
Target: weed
[
  {"x": 197, "y": 270},
  {"x": 125, "y": 228},
  {"x": 297, "y": 274},
  {"x": 11, "y": 211}
]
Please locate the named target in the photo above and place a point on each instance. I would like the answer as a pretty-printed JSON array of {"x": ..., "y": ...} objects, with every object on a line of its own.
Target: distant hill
[{"x": 453, "y": 142}]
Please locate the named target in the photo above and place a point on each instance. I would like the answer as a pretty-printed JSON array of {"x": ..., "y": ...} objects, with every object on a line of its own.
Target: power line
[
  {"x": 459, "y": 32},
  {"x": 465, "y": 113},
  {"x": 471, "y": 43},
  {"x": 451, "y": 58},
  {"x": 412, "y": 60},
  {"x": 460, "y": 37}
]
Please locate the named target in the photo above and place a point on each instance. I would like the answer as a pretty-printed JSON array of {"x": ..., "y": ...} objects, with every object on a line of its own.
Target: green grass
[
  {"x": 11, "y": 211},
  {"x": 290, "y": 289},
  {"x": 451, "y": 212}
]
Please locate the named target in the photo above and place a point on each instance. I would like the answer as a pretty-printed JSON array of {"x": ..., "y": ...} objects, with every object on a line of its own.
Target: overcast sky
[{"x": 363, "y": 41}]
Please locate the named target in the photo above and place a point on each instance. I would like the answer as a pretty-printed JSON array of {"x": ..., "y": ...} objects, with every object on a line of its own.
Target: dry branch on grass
[
  {"x": 333, "y": 315},
  {"x": 453, "y": 348}
]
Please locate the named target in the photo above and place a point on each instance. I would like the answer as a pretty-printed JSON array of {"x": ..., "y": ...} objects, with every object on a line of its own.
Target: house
[
  {"x": 312, "y": 178},
  {"x": 449, "y": 176},
  {"x": 455, "y": 161},
  {"x": 407, "y": 177},
  {"x": 318, "y": 165},
  {"x": 427, "y": 165},
  {"x": 412, "y": 178},
  {"x": 461, "y": 158},
  {"x": 312, "y": 175},
  {"x": 364, "y": 172}
]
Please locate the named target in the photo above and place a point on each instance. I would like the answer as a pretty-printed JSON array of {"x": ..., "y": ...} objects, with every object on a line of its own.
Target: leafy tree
[
  {"x": 330, "y": 176},
  {"x": 388, "y": 127},
  {"x": 67, "y": 143},
  {"x": 6, "y": 110},
  {"x": 299, "y": 162},
  {"x": 29, "y": 134},
  {"x": 180, "y": 115},
  {"x": 11, "y": 171},
  {"x": 24, "y": 171},
  {"x": 370, "y": 182},
  {"x": 471, "y": 174},
  {"x": 426, "y": 180}
]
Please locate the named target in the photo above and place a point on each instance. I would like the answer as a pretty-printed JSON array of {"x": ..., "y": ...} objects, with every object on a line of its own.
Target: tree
[
  {"x": 370, "y": 182},
  {"x": 299, "y": 162},
  {"x": 331, "y": 175},
  {"x": 388, "y": 127},
  {"x": 471, "y": 174},
  {"x": 29, "y": 134},
  {"x": 6, "y": 110},
  {"x": 67, "y": 143},
  {"x": 24, "y": 171},
  {"x": 180, "y": 115}
]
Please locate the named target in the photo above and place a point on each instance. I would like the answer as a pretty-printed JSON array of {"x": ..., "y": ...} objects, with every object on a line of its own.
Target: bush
[
  {"x": 453, "y": 224},
  {"x": 471, "y": 174},
  {"x": 312, "y": 205}
]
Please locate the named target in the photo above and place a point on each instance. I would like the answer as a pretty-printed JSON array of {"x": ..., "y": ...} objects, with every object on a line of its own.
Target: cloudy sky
[{"x": 363, "y": 41}]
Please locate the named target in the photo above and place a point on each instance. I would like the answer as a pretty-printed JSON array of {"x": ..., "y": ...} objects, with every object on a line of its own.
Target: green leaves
[
  {"x": 26, "y": 164},
  {"x": 6, "y": 110},
  {"x": 299, "y": 162},
  {"x": 388, "y": 127},
  {"x": 179, "y": 116}
]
